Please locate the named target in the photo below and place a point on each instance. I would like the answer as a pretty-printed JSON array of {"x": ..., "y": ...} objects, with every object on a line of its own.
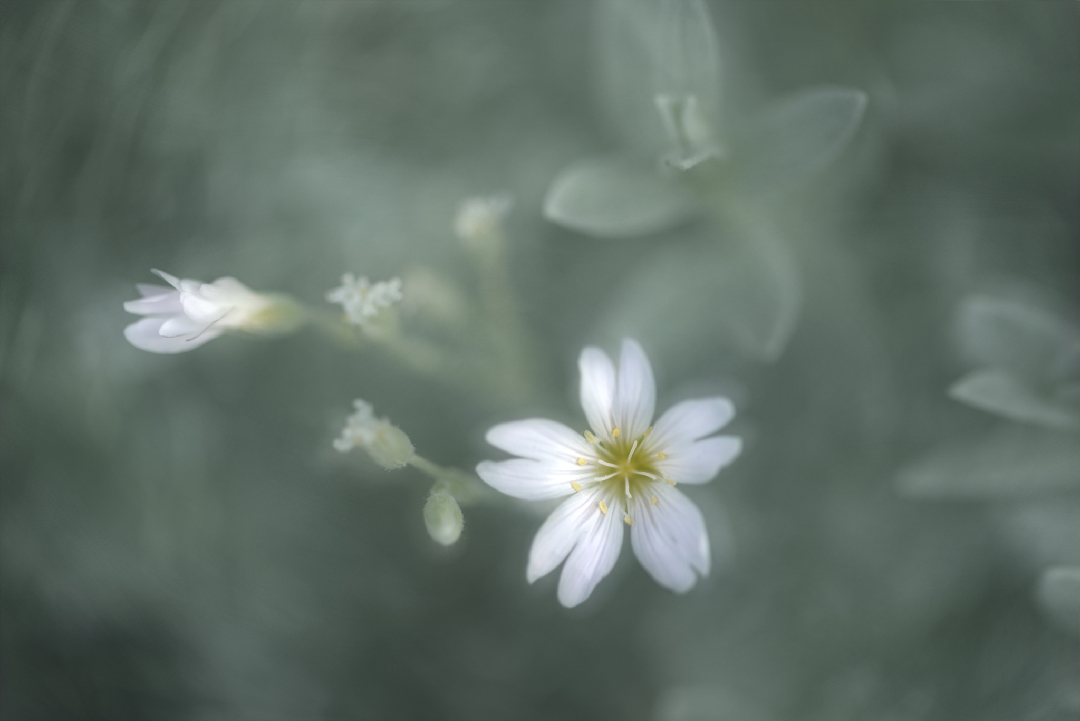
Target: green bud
[
  {"x": 443, "y": 518},
  {"x": 390, "y": 447}
]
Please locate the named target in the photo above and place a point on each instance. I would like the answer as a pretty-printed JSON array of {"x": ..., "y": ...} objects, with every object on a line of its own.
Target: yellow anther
[
  {"x": 575, "y": 485},
  {"x": 629, "y": 521},
  {"x": 670, "y": 481},
  {"x": 654, "y": 500},
  {"x": 647, "y": 432},
  {"x": 661, "y": 456},
  {"x": 603, "y": 507},
  {"x": 590, "y": 437},
  {"x": 581, "y": 461},
  {"x": 615, "y": 432}
]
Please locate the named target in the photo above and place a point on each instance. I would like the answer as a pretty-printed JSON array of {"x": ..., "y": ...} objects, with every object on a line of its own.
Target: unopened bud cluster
[
  {"x": 479, "y": 221},
  {"x": 363, "y": 300}
]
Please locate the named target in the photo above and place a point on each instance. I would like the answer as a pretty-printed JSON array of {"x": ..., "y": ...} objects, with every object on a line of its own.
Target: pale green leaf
[
  {"x": 649, "y": 48},
  {"x": 1012, "y": 461},
  {"x": 742, "y": 293},
  {"x": 797, "y": 138},
  {"x": 1059, "y": 595},
  {"x": 999, "y": 392},
  {"x": 613, "y": 198},
  {"x": 1018, "y": 337}
]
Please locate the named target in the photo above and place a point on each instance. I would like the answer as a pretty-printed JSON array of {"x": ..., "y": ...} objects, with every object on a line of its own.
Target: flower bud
[
  {"x": 187, "y": 313},
  {"x": 385, "y": 443},
  {"x": 443, "y": 518},
  {"x": 390, "y": 447},
  {"x": 479, "y": 223}
]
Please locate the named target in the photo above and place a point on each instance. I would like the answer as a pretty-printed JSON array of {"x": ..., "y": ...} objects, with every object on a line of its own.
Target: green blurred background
[{"x": 179, "y": 539}]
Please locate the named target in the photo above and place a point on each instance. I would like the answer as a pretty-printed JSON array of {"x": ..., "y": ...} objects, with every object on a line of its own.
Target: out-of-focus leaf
[
  {"x": 1044, "y": 531},
  {"x": 705, "y": 703},
  {"x": 1012, "y": 461},
  {"x": 689, "y": 54},
  {"x": 999, "y": 392},
  {"x": 743, "y": 292},
  {"x": 1018, "y": 337},
  {"x": 613, "y": 198},
  {"x": 648, "y": 49},
  {"x": 1059, "y": 595},
  {"x": 687, "y": 83},
  {"x": 798, "y": 137},
  {"x": 628, "y": 51}
]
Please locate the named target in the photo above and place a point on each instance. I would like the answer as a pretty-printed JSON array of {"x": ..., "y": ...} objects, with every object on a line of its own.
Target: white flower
[
  {"x": 385, "y": 443},
  {"x": 623, "y": 471},
  {"x": 363, "y": 301},
  {"x": 480, "y": 218},
  {"x": 191, "y": 313}
]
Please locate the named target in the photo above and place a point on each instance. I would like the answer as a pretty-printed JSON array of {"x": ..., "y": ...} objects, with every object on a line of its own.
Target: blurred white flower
[
  {"x": 385, "y": 443},
  {"x": 363, "y": 301},
  {"x": 623, "y": 471},
  {"x": 479, "y": 219},
  {"x": 190, "y": 313}
]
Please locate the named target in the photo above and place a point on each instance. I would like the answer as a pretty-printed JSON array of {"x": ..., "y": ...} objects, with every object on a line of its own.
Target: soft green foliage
[{"x": 856, "y": 220}]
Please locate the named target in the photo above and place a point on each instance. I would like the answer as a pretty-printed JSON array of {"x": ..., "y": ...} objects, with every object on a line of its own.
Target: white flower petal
[
  {"x": 170, "y": 279},
  {"x": 597, "y": 389},
  {"x": 635, "y": 398},
  {"x": 157, "y": 304},
  {"x": 700, "y": 461},
  {"x": 541, "y": 440},
  {"x": 559, "y": 533},
  {"x": 150, "y": 290},
  {"x": 691, "y": 420},
  {"x": 181, "y": 326},
  {"x": 199, "y": 308},
  {"x": 669, "y": 538},
  {"x": 530, "y": 480},
  {"x": 659, "y": 555},
  {"x": 146, "y": 335},
  {"x": 594, "y": 555}
]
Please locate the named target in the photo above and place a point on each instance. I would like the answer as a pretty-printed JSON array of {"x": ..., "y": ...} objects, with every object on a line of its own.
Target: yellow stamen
[
  {"x": 615, "y": 433},
  {"x": 603, "y": 507},
  {"x": 629, "y": 521},
  {"x": 670, "y": 481},
  {"x": 647, "y": 432},
  {"x": 654, "y": 500},
  {"x": 661, "y": 456},
  {"x": 590, "y": 437},
  {"x": 581, "y": 461},
  {"x": 575, "y": 485}
]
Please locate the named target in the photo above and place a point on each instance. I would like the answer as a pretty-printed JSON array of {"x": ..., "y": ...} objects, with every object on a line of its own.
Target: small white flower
[
  {"x": 385, "y": 443},
  {"x": 480, "y": 218},
  {"x": 191, "y": 313},
  {"x": 363, "y": 301},
  {"x": 623, "y": 471}
]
